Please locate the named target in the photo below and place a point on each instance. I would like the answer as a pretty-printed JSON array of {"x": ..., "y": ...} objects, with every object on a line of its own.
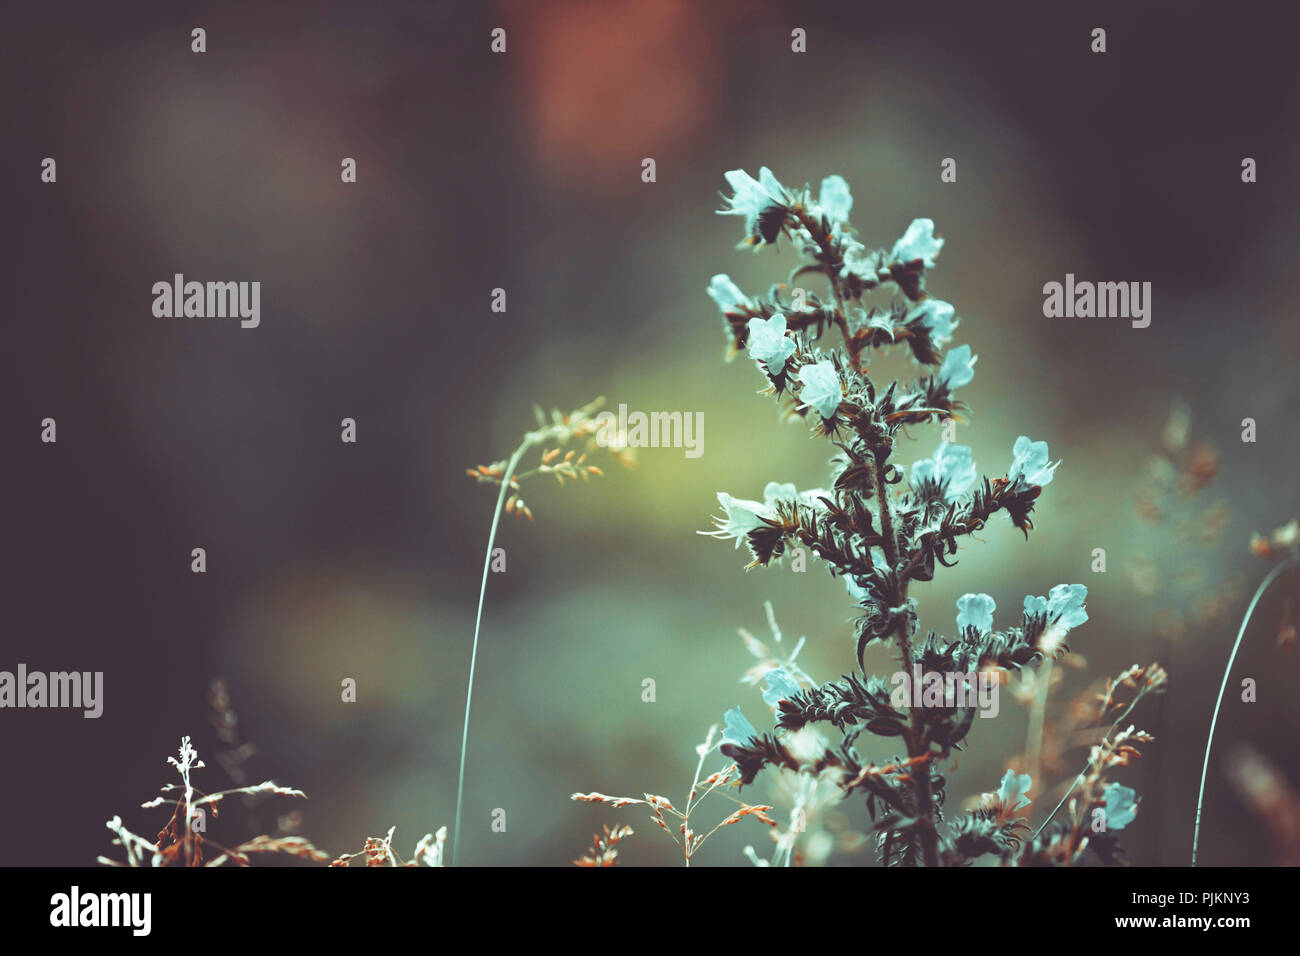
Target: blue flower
[
  {"x": 779, "y": 686},
  {"x": 958, "y": 367},
  {"x": 1065, "y": 604},
  {"x": 950, "y": 468},
  {"x": 937, "y": 316},
  {"x": 727, "y": 294},
  {"x": 737, "y": 730},
  {"x": 763, "y": 202},
  {"x": 1013, "y": 790},
  {"x": 775, "y": 491},
  {"x": 975, "y": 610},
  {"x": 1063, "y": 610},
  {"x": 769, "y": 344},
  {"x": 918, "y": 242},
  {"x": 835, "y": 199},
  {"x": 1029, "y": 465},
  {"x": 821, "y": 388},
  {"x": 1121, "y": 805}
]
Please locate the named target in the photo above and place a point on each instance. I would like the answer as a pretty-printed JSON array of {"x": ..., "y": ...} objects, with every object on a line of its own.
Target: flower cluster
[{"x": 878, "y": 527}]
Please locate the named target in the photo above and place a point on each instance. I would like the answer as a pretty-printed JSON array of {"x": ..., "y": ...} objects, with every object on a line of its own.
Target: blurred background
[{"x": 523, "y": 171}]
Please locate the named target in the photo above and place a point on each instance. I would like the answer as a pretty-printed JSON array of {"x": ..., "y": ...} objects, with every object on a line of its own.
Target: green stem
[
  {"x": 529, "y": 441},
  {"x": 1227, "y": 672}
]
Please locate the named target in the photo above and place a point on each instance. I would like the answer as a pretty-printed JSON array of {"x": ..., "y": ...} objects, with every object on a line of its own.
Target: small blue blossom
[
  {"x": 1029, "y": 464},
  {"x": 778, "y": 686},
  {"x": 937, "y": 316},
  {"x": 1063, "y": 607},
  {"x": 736, "y": 728},
  {"x": 769, "y": 344},
  {"x": 776, "y": 491},
  {"x": 1012, "y": 792},
  {"x": 975, "y": 610},
  {"x": 950, "y": 467},
  {"x": 835, "y": 199},
  {"x": 958, "y": 367},
  {"x": 821, "y": 388},
  {"x": 1121, "y": 805},
  {"x": 918, "y": 242},
  {"x": 727, "y": 294}
]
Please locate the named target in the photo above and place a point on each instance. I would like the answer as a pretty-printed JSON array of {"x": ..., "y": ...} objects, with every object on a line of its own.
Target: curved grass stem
[
  {"x": 528, "y": 442},
  {"x": 1227, "y": 672}
]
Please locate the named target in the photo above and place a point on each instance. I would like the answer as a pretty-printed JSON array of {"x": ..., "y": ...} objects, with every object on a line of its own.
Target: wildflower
[
  {"x": 821, "y": 388},
  {"x": 1121, "y": 805},
  {"x": 1059, "y": 613},
  {"x": 727, "y": 294},
  {"x": 958, "y": 368},
  {"x": 918, "y": 242},
  {"x": 1012, "y": 792},
  {"x": 776, "y": 491},
  {"x": 741, "y": 517},
  {"x": 950, "y": 470},
  {"x": 779, "y": 686},
  {"x": 769, "y": 344},
  {"x": 763, "y": 202},
  {"x": 835, "y": 199},
  {"x": 937, "y": 317},
  {"x": 1029, "y": 466},
  {"x": 858, "y": 260},
  {"x": 737, "y": 729},
  {"x": 975, "y": 611}
]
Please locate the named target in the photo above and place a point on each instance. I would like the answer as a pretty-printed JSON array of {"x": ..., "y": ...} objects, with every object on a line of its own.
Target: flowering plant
[{"x": 883, "y": 530}]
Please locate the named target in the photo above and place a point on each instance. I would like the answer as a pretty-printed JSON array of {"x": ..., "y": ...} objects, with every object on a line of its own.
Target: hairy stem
[
  {"x": 529, "y": 440},
  {"x": 915, "y": 737}
]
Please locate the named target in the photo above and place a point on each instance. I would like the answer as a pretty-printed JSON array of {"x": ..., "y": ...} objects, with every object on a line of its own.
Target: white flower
[
  {"x": 741, "y": 516},
  {"x": 1029, "y": 465},
  {"x": 937, "y": 316},
  {"x": 1012, "y": 792},
  {"x": 950, "y": 467},
  {"x": 958, "y": 367},
  {"x": 835, "y": 199},
  {"x": 727, "y": 294},
  {"x": 918, "y": 242},
  {"x": 769, "y": 344},
  {"x": 763, "y": 202},
  {"x": 975, "y": 610},
  {"x": 858, "y": 260},
  {"x": 821, "y": 388}
]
